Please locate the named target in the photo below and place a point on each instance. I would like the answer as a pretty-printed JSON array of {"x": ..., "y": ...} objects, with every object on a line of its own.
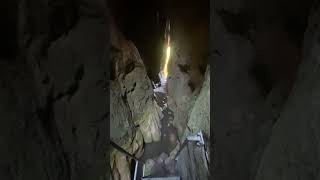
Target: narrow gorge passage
[
  {"x": 159, "y": 86},
  {"x": 169, "y": 136}
]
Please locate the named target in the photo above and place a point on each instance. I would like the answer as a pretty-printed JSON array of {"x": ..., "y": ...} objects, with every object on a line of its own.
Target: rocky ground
[{"x": 157, "y": 154}]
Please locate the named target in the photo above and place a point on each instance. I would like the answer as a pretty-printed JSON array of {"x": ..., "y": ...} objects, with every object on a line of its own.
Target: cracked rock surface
[{"x": 134, "y": 112}]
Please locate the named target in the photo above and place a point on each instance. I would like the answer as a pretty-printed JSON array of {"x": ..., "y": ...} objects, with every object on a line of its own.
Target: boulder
[{"x": 150, "y": 163}]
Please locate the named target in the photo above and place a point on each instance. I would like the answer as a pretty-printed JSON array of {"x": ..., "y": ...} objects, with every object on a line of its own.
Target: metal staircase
[
  {"x": 163, "y": 178},
  {"x": 191, "y": 161}
]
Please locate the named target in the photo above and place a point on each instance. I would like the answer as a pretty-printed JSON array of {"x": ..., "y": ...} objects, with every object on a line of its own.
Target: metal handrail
[
  {"x": 123, "y": 151},
  {"x": 200, "y": 141},
  {"x": 198, "y": 138}
]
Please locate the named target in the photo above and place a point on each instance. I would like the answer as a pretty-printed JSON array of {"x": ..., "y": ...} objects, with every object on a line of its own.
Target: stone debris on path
[{"x": 159, "y": 155}]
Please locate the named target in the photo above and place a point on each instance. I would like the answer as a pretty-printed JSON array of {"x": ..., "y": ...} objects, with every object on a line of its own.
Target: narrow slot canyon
[
  {"x": 160, "y": 90},
  {"x": 161, "y": 79}
]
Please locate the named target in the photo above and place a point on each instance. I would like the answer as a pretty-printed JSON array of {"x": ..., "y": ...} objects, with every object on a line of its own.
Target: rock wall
[
  {"x": 199, "y": 116},
  {"x": 136, "y": 88},
  {"x": 236, "y": 104},
  {"x": 53, "y": 93},
  {"x": 255, "y": 52},
  {"x": 186, "y": 75},
  {"x": 135, "y": 116},
  {"x": 189, "y": 24},
  {"x": 181, "y": 89},
  {"x": 293, "y": 149}
]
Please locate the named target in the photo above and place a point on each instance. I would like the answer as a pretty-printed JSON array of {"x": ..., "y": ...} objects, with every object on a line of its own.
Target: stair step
[{"x": 162, "y": 178}]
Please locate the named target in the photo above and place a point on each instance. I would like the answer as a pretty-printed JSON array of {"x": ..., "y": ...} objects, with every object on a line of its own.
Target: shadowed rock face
[
  {"x": 257, "y": 49},
  {"x": 53, "y": 93},
  {"x": 293, "y": 149},
  {"x": 199, "y": 115}
]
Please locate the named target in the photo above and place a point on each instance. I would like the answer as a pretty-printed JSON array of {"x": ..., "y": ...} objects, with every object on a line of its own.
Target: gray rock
[
  {"x": 293, "y": 150},
  {"x": 162, "y": 158},
  {"x": 135, "y": 116},
  {"x": 121, "y": 124},
  {"x": 148, "y": 167},
  {"x": 181, "y": 95},
  {"x": 246, "y": 108},
  {"x": 136, "y": 88},
  {"x": 199, "y": 117}
]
